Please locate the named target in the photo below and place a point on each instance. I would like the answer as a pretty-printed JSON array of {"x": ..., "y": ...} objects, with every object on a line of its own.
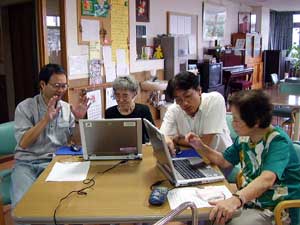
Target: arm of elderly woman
[{"x": 224, "y": 209}]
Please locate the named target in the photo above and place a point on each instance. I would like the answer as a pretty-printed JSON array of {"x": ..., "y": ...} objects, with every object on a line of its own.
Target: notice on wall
[
  {"x": 95, "y": 50},
  {"x": 90, "y": 30},
  {"x": 119, "y": 27},
  {"x": 95, "y": 110},
  {"x": 78, "y": 67},
  {"x": 110, "y": 71},
  {"x": 110, "y": 99}
]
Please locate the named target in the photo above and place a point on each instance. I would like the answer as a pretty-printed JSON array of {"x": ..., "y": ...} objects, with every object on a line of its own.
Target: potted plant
[{"x": 294, "y": 54}]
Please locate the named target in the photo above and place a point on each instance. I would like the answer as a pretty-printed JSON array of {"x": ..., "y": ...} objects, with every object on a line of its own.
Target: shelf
[
  {"x": 154, "y": 86},
  {"x": 91, "y": 87}
]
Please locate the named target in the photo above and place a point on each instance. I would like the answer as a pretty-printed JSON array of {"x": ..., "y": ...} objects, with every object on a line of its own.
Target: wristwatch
[{"x": 241, "y": 198}]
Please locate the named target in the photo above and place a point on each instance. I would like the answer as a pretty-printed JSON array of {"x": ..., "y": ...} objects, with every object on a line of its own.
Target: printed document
[
  {"x": 69, "y": 171},
  {"x": 200, "y": 196}
]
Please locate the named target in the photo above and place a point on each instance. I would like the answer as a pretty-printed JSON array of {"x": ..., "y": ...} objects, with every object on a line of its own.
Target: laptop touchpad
[{"x": 197, "y": 162}]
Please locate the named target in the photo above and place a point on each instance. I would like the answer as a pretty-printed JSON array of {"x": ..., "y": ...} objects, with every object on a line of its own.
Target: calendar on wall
[{"x": 95, "y": 110}]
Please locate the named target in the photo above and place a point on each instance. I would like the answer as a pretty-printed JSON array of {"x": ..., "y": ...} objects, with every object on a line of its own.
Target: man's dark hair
[
  {"x": 182, "y": 81},
  {"x": 254, "y": 107},
  {"x": 48, "y": 70}
]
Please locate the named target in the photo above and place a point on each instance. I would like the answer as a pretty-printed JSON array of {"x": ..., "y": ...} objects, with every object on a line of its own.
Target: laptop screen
[
  {"x": 111, "y": 138},
  {"x": 158, "y": 143}
]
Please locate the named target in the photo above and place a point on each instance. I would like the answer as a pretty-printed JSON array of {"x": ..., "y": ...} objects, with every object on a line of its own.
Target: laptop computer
[
  {"x": 179, "y": 171},
  {"x": 111, "y": 139}
]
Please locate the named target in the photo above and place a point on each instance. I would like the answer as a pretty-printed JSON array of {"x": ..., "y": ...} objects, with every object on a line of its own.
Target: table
[
  {"x": 119, "y": 196},
  {"x": 292, "y": 101}
]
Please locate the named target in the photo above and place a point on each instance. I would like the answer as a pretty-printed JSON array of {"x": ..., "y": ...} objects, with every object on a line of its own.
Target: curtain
[{"x": 281, "y": 30}]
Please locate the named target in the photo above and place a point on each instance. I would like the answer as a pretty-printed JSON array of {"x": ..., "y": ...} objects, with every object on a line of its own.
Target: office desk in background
[
  {"x": 292, "y": 101},
  {"x": 119, "y": 196}
]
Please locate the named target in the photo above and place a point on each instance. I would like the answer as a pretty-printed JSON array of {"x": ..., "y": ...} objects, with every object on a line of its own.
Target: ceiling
[{"x": 278, "y": 5}]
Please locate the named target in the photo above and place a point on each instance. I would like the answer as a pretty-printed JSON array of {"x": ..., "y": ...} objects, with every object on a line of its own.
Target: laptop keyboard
[{"x": 185, "y": 169}]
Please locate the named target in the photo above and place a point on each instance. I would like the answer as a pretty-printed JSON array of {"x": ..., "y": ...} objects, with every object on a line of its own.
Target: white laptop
[
  {"x": 111, "y": 139},
  {"x": 179, "y": 170}
]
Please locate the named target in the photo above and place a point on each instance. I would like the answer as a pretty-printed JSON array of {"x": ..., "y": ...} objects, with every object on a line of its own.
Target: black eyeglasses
[{"x": 59, "y": 85}]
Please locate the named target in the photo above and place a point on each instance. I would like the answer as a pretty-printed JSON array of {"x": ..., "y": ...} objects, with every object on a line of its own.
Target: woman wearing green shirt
[{"x": 269, "y": 163}]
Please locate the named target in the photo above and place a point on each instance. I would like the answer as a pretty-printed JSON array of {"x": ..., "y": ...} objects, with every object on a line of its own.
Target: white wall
[
  {"x": 158, "y": 21},
  {"x": 263, "y": 24},
  {"x": 157, "y": 24},
  {"x": 265, "y": 27}
]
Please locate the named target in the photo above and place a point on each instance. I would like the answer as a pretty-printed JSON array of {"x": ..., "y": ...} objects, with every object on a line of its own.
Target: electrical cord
[{"x": 90, "y": 182}]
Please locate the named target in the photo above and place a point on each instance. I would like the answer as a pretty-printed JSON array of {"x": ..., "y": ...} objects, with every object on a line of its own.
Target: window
[
  {"x": 296, "y": 29},
  {"x": 253, "y": 23},
  {"x": 53, "y": 21}
]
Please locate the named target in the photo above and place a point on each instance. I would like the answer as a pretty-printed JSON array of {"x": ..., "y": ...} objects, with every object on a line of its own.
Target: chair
[
  {"x": 293, "y": 204},
  {"x": 231, "y": 177},
  {"x": 241, "y": 83},
  {"x": 7, "y": 147},
  {"x": 171, "y": 215},
  {"x": 282, "y": 111}
]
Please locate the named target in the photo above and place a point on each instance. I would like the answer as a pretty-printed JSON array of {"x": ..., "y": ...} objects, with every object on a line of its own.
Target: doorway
[
  {"x": 28, "y": 42},
  {"x": 19, "y": 54}
]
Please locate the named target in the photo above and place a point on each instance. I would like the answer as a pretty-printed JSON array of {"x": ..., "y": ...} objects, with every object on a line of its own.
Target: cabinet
[
  {"x": 252, "y": 56},
  {"x": 176, "y": 54}
]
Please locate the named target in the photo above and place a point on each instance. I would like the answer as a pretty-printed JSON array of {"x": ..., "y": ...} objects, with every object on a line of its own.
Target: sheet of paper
[
  {"x": 200, "y": 196},
  {"x": 107, "y": 54},
  {"x": 121, "y": 56},
  {"x": 69, "y": 171},
  {"x": 122, "y": 69},
  {"x": 95, "y": 110},
  {"x": 110, "y": 71},
  {"x": 110, "y": 100},
  {"x": 95, "y": 50},
  {"x": 90, "y": 30},
  {"x": 95, "y": 72},
  {"x": 78, "y": 65}
]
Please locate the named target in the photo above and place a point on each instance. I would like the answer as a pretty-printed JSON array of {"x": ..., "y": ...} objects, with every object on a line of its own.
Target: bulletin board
[
  {"x": 116, "y": 25},
  {"x": 104, "y": 24}
]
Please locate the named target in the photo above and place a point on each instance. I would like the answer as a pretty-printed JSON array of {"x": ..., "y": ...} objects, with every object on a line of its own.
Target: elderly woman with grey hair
[{"x": 125, "y": 90}]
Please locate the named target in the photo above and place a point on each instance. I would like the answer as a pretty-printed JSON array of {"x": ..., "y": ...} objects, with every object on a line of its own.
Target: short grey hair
[{"x": 125, "y": 83}]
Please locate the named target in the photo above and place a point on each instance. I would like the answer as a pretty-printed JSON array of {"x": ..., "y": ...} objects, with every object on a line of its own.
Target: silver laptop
[
  {"x": 111, "y": 139},
  {"x": 179, "y": 170}
]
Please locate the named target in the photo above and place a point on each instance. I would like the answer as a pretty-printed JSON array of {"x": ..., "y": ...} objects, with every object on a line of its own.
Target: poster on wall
[
  {"x": 142, "y": 10},
  {"x": 214, "y": 19},
  {"x": 244, "y": 22},
  {"x": 99, "y": 8}
]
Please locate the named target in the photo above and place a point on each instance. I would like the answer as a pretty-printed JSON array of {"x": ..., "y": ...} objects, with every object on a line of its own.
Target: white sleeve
[
  {"x": 215, "y": 116},
  {"x": 169, "y": 124}
]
